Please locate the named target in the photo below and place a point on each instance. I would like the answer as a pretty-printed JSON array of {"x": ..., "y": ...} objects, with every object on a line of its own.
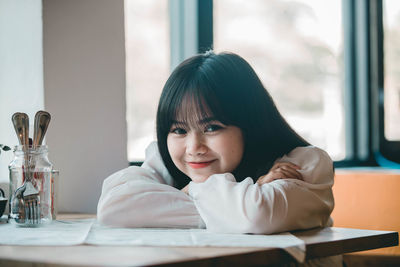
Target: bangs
[
  {"x": 194, "y": 106},
  {"x": 192, "y": 110}
]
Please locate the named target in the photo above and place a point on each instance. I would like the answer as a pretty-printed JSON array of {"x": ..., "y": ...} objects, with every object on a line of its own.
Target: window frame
[{"x": 358, "y": 91}]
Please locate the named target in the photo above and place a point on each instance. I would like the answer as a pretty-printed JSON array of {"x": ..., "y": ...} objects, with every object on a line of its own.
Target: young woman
[{"x": 225, "y": 160}]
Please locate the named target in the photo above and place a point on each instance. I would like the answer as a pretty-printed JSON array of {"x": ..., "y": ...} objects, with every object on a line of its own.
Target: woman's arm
[
  {"x": 281, "y": 205},
  {"x": 144, "y": 197}
]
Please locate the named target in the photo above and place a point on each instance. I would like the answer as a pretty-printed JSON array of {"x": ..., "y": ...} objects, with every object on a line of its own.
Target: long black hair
[{"x": 226, "y": 87}]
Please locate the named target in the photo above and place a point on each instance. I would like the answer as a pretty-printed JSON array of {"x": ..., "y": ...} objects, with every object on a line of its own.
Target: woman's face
[{"x": 207, "y": 147}]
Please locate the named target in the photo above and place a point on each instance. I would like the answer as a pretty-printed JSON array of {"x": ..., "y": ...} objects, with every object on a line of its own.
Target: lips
[{"x": 199, "y": 165}]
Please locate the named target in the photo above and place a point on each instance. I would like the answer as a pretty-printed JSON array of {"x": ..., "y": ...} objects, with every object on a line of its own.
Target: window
[
  {"x": 391, "y": 25},
  {"x": 147, "y": 69},
  {"x": 21, "y": 65},
  {"x": 331, "y": 66},
  {"x": 388, "y": 40},
  {"x": 296, "y": 49}
]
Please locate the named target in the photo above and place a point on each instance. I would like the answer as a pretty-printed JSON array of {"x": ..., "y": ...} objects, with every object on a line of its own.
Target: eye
[
  {"x": 178, "y": 131},
  {"x": 213, "y": 128}
]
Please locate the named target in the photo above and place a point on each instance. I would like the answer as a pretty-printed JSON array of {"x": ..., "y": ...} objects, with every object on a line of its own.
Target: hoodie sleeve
[
  {"x": 282, "y": 205},
  {"x": 144, "y": 197}
]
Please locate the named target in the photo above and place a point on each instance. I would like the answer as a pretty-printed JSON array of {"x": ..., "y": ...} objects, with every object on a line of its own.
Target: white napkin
[
  {"x": 102, "y": 235},
  {"x": 77, "y": 232},
  {"x": 56, "y": 233}
]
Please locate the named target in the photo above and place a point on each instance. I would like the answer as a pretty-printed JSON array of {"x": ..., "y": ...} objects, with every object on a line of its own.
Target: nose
[{"x": 195, "y": 145}]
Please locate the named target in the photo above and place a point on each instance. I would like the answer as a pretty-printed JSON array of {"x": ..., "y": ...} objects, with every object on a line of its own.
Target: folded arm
[
  {"x": 144, "y": 197},
  {"x": 281, "y": 205}
]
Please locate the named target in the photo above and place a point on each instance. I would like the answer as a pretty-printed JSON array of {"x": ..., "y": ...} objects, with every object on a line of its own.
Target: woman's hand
[{"x": 281, "y": 170}]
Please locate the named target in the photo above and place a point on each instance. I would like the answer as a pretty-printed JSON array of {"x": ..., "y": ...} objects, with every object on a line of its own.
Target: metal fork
[
  {"x": 28, "y": 200},
  {"x": 31, "y": 203},
  {"x": 31, "y": 194}
]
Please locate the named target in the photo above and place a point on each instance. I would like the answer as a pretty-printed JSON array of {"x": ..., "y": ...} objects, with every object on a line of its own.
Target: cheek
[
  {"x": 171, "y": 146},
  {"x": 236, "y": 151},
  {"x": 232, "y": 149},
  {"x": 174, "y": 148}
]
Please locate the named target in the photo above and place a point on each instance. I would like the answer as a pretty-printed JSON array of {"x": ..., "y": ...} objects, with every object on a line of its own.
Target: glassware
[
  {"x": 41, "y": 172},
  {"x": 55, "y": 176},
  {"x": 3, "y": 202}
]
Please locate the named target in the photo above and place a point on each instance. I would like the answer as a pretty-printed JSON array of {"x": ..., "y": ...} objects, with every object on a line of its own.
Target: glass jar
[
  {"x": 30, "y": 172},
  {"x": 55, "y": 177}
]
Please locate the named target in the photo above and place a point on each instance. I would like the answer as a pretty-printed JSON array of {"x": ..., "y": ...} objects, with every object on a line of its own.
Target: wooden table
[{"x": 321, "y": 242}]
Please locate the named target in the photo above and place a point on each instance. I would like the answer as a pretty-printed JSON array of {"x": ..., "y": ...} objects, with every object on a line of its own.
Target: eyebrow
[{"x": 202, "y": 121}]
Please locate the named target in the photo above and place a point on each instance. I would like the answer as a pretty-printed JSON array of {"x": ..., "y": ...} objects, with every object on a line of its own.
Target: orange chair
[{"x": 368, "y": 199}]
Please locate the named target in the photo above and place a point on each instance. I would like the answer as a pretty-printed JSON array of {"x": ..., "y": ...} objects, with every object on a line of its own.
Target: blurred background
[
  {"x": 296, "y": 48},
  {"x": 309, "y": 54}
]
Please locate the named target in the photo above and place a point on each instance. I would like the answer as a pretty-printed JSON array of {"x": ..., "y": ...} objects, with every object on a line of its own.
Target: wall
[
  {"x": 21, "y": 70},
  {"x": 84, "y": 81}
]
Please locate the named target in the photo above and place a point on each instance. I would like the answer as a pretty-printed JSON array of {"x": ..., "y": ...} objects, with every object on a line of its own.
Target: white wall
[
  {"x": 84, "y": 81},
  {"x": 21, "y": 70}
]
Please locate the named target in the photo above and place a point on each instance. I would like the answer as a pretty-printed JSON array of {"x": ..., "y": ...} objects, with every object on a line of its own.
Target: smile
[{"x": 198, "y": 165}]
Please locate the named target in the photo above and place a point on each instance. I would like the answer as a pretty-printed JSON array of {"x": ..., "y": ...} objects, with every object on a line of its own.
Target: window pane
[
  {"x": 391, "y": 26},
  {"x": 147, "y": 69},
  {"x": 296, "y": 49}
]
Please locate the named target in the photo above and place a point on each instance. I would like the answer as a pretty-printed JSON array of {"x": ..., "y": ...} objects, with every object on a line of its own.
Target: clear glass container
[
  {"x": 30, "y": 179},
  {"x": 55, "y": 177}
]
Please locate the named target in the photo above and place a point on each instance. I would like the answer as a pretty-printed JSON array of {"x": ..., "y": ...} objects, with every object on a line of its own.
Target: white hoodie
[{"x": 145, "y": 197}]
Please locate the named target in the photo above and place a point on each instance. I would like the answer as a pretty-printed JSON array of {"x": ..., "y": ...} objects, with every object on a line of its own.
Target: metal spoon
[
  {"x": 21, "y": 126},
  {"x": 42, "y": 120}
]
